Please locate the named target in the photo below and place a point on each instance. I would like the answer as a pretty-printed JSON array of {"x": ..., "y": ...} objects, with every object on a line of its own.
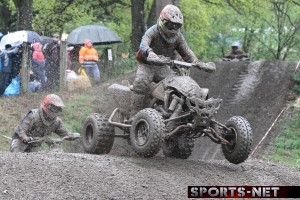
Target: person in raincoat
[{"x": 88, "y": 58}]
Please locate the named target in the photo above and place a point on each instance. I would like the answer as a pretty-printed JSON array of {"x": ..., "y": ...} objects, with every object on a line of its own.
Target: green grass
[{"x": 287, "y": 144}]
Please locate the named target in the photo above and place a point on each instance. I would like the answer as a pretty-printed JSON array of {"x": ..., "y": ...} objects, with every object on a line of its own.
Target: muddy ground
[
  {"x": 84, "y": 176},
  {"x": 258, "y": 93}
]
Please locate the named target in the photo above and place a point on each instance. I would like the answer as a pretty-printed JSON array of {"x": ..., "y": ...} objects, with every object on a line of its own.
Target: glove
[
  {"x": 73, "y": 136},
  {"x": 27, "y": 139},
  {"x": 208, "y": 67},
  {"x": 152, "y": 57}
]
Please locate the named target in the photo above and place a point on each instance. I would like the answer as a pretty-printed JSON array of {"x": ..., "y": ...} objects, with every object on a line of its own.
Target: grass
[{"x": 286, "y": 148}]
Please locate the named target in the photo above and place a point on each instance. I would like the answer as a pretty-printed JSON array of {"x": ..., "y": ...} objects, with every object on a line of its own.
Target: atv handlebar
[
  {"x": 167, "y": 61},
  {"x": 51, "y": 141}
]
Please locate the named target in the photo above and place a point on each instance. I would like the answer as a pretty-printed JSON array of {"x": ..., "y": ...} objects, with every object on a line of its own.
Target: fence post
[
  {"x": 62, "y": 65},
  {"x": 25, "y": 67}
]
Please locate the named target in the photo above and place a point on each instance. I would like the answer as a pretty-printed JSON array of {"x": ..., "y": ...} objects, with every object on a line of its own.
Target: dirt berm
[{"x": 256, "y": 90}]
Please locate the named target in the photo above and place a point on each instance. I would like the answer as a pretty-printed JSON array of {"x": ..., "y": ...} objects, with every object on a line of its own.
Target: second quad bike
[{"x": 177, "y": 111}]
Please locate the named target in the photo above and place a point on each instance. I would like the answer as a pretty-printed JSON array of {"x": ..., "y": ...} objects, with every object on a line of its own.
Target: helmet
[
  {"x": 52, "y": 105},
  {"x": 170, "y": 21},
  {"x": 235, "y": 44}
]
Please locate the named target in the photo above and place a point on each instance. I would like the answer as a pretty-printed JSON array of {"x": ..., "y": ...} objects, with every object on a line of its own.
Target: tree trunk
[
  {"x": 137, "y": 14},
  {"x": 24, "y": 14},
  {"x": 7, "y": 19}
]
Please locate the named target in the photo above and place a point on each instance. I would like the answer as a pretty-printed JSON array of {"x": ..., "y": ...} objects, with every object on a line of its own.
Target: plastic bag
[
  {"x": 70, "y": 74},
  {"x": 13, "y": 88},
  {"x": 1, "y": 65}
]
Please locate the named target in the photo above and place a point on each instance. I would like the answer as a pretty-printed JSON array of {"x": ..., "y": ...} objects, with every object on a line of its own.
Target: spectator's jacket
[
  {"x": 38, "y": 59},
  {"x": 88, "y": 53},
  {"x": 153, "y": 41},
  {"x": 35, "y": 124},
  {"x": 7, "y": 59}
]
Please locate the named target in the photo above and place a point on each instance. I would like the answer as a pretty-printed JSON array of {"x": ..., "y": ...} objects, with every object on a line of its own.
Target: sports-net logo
[{"x": 243, "y": 191}]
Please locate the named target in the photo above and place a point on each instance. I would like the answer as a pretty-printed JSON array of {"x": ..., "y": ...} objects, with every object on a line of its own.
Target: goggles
[
  {"x": 54, "y": 109},
  {"x": 172, "y": 26}
]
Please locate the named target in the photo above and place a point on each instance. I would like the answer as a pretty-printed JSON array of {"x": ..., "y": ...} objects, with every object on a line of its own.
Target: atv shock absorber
[{"x": 176, "y": 107}]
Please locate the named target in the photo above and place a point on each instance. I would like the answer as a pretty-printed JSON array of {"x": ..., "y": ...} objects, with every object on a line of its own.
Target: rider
[
  {"x": 235, "y": 52},
  {"x": 39, "y": 123},
  {"x": 163, "y": 38}
]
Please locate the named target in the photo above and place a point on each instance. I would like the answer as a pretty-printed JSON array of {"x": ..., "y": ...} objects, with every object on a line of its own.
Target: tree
[
  {"x": 137, "y": 26},
  {"x": 7, "y": 22},
  {"x": 24, "y": 14}
]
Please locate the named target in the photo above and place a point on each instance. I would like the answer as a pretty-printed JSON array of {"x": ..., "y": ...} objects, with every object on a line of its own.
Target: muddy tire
[
  {"x": 97, "y": 134},
  {"x": 146, "y": 132},
  {"x": 180, "y": 147},
  {"x": 240, "y": 138}
]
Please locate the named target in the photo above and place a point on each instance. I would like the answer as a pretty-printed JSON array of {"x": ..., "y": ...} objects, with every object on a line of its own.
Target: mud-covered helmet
[
  {"x": 52, "y": 105},
  {"x": 235, "y": 46},
  {"x": 170, "y": 22}
]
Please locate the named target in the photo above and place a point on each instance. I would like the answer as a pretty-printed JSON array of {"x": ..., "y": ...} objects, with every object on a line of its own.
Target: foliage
[
  {"x": 287, "y": 144},
  {"x": 265, "y": 29}
]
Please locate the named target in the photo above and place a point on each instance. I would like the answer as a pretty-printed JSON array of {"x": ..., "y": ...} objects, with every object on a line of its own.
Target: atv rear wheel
[
  {"x": 181, "y": 147},
  {"x": 97, "y": 134},
  {"x": 146, "y": 132},
  {"x": 240, "y": 140}
]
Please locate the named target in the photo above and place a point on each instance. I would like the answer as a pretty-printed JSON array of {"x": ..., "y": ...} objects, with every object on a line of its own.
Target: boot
[{"x": 137, "y": 104}]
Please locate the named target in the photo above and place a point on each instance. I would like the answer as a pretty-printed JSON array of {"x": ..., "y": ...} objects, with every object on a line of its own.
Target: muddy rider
[
  {"x": 236, "y": 52},
  {"x": 163, "y": 38},
  {"x": 40, "y": 123}
]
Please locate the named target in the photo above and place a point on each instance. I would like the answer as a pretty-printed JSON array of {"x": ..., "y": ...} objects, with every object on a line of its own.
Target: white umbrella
[{"x": 18, "y": 37}]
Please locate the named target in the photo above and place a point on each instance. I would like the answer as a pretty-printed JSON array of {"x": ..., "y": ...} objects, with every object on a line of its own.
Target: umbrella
[
  {"x": 18, "y": 37},
  {"x": 96, "y": 33},
  {"x": 46, "y": 39}
]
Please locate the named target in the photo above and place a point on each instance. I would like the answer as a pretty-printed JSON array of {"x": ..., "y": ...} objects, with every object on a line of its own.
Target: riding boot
[{"x": 137, "y": 103}]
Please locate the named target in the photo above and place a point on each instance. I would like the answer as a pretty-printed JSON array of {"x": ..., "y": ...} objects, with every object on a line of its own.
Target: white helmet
[
  {"x": 235, "y": 44},
  {"x": 170, "y": 21}
]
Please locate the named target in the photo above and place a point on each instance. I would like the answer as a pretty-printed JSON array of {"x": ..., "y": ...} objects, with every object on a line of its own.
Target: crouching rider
[{"x": 40, "y": 123}]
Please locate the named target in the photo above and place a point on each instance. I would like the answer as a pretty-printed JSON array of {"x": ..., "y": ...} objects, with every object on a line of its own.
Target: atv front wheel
[
  {"x": 146, "y": 132},
  {"x": 240, "y": 140},
  {"x": 97, "y": 134},
  {"x": 181, "y": 147}
]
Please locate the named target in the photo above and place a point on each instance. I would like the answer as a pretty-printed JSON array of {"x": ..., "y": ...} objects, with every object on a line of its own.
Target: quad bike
[
  {"x": 177, "y": 112},
  {"x": 243, "y": 57}
]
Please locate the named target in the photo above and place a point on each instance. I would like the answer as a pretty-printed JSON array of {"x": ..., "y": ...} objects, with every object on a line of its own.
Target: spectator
[
  {"x": 8, "y": 57},
  {"x": 38, "y": 63},
  {"x": 52, "y": 52},
  {"x": 74, "y": 55},
  {"x": 88, "y": 57}
]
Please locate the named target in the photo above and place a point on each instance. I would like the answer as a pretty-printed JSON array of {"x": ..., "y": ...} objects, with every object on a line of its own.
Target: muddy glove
[
  {"x": 73, "y": 136},
  {"x": 152, "y": 57},
  {"x": 26, "y": 139},
  {"x": 208, "y": 67}
]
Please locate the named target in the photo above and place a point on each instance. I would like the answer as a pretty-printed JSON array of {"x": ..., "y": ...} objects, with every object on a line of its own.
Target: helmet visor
[
  {"x": 54, "y": 109},
  {"x": 172, "y": 26}
]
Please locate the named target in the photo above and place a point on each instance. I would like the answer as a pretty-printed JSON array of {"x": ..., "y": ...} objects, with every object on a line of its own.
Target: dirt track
[
  {"x": 83, "y": 176},
  {"x": 122, "y": 175},
  {"x": 257, "y": 91}
]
